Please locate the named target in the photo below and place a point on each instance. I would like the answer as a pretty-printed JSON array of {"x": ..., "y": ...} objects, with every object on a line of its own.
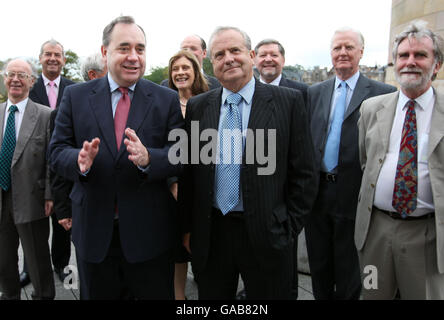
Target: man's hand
[
  {"x": 173, "y": 190},
  {"x": 138, "y": 153},
  {"x": 66, "y": 223},
  {"x": 186, "y": 241},
  {"x": 87, "y": 154},
  {"x": 49, "y": 204}
]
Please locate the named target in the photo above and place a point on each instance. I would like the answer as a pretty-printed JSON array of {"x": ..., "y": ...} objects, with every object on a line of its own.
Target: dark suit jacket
[
  {"x": 213, "y": 83},
  {"x": 38, "y": 91},
  {"x": 295, "y": 85},
  {"x": 146, "y": 221},
  {"x": 275, "y": 205},
  {"x": 349, "y": 170}
]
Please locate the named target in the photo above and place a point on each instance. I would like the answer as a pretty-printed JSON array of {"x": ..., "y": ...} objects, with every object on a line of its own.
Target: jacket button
[
  {"x": 370, "y": 209},
  {"x": 380, "y": 160},
  {"x": 373, "y": 186}
]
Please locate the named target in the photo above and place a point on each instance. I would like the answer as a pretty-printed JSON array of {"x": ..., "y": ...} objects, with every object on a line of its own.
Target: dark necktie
[
  {"x": 228, "y": 169},
  {"x": 7, "y": 150},
  {"x": 121, "y": 115},
  {"x": 406, "y": 181}
]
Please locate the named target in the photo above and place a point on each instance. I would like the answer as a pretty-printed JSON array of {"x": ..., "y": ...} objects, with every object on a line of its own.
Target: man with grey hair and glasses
[
  {"x": 399, "y": 231},
  {"x": 25, "y": 195},
  {"x": 333, "y": 107},
  {"x": 93, "y": 67}
]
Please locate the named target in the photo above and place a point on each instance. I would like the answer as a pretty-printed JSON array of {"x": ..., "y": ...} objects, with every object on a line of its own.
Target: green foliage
[
  {"x": 71, "y": 70},
  {"x": 157, "y": 74},
  {"x": 208, "y": 67}
]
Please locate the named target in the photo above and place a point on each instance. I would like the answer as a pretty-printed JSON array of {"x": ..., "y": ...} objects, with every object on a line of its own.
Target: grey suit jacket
[
  {"x": 29, "y": 169},
  {"x": 348, "y": 170},
  {"x": 375, "y": 126}
]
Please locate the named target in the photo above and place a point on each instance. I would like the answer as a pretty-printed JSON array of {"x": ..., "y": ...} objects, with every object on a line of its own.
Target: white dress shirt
[
  {"x": 18, "y": 115},
  {"x": 386, "y": 180},
  {"x": 47, "y": 86},
  {"x": 275, "y": 82}
]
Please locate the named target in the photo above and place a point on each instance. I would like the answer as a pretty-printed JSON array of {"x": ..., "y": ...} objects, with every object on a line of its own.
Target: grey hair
[
  {"x": 270, "y": 41},
  {"x": 106, "y": 38},
  {"x": 417, "y": 29},
  {"x": 92, "y": 62},
  {"x": 53, "y": 43},
  {"x": 247, "y": 40},
  {"x": 348, "y": 29},
  {"x": 34, "y": 73}
]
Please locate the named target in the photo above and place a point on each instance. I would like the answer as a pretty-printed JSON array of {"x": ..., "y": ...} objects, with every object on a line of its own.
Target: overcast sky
[{"x": 303, "y": 27}]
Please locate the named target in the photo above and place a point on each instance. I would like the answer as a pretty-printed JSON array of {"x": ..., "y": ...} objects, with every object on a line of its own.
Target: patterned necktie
[
  {"x": 121, "y": 115},
  {"x": 230, "y": 145},
  {"x": 7, "y": 150},
  {"x": 52, "y": 96},
  {"x": 406, "y": 181},
  {"x": 331, "y": 154}
]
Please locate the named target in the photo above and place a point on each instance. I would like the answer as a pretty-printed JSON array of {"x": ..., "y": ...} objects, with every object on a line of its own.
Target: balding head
[{"x": 196, "y": 45}]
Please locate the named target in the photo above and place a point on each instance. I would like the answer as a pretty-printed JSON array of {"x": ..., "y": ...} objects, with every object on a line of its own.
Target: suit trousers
[
  {"x": 332, "y": 254},
  {"x": 400, "y": 255},
  {"x": 117, "y": 279},
  {"x": 34, "y": 238},
  {"x": 231, "y": 254}
]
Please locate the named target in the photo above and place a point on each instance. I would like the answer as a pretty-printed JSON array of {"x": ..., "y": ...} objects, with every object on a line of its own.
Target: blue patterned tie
[
  {"x": 228, "y": 168},
  {"x": 331, "y": 154},
  {"x": 7, "y": 151}
]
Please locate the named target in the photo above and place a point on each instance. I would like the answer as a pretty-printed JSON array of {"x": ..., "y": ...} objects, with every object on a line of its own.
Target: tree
[
  {"x": 207, "y": 67},
  {"x": 71, "y": 70},
  {"x": 157, "y": 74}
]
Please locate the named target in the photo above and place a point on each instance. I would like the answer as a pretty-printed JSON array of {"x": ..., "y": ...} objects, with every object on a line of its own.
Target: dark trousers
[
  {"x": 332, "y": 255},
  {"x": 295, "y": 283},
  {"x": 34, "y": 238},
  {"x": 60, "y": 245},
  {"x": 231, "y": 254},
  {"x": 115, "y": 279}
]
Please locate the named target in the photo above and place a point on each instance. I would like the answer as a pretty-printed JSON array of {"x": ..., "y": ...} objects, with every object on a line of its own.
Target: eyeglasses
[{"x": 20, "y": 75}]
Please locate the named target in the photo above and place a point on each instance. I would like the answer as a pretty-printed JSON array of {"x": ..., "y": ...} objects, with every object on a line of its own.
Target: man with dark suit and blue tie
[
  {"x": 242, "y": 213},
  {"x": 111, "y": 140},
  {"x": 48, "y": 90},
  {"x": 333, "y": 107}
]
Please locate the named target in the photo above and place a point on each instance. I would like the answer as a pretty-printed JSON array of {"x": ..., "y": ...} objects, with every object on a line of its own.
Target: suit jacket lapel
[
  {"x": 436, "y": 126},
  {"x": 326, "y": 97},
  {"x": 261, "y": 108},
  {"x": 361, "y": 91},
  {"x": 100, "y": 102},
  {"x": 26, "y": 129},
  {"x": 385, "y": 118},
  {"x": 211, "y": 114},
  {"x": 41, "y": 91},
  {"x": 61, "y": 88}
]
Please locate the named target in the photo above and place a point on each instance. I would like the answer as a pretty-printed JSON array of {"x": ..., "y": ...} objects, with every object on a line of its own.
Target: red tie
[
  {"x": 406, "y": 181},
  {"x": 121, "y": 115}
]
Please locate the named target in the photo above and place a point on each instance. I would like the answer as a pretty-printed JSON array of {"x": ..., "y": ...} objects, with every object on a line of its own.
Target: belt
[
  {"x": 329, "y": 177},
  {"x": 231, "y": 214},
  {"x": 397, "y": 215}
]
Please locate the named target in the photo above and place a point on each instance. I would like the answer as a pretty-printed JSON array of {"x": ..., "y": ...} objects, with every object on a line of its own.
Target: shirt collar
[
  {"x": 56, "y": 81},
  {"x": 351, "y": 82},
  {"x": 275, "y": 82},
  {"x": 21, "y": 105},
  {"x": 246, "y": 92},
  {"x": 114, "y": 86},
  {"x": 422, "y": 101}
]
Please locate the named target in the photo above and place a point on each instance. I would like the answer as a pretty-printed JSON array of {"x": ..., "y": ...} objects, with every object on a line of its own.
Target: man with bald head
[
  {"x": 198, "y": 47},
  {"x": 26, "y": 200},
  {"x": 333, "y": 107}
]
